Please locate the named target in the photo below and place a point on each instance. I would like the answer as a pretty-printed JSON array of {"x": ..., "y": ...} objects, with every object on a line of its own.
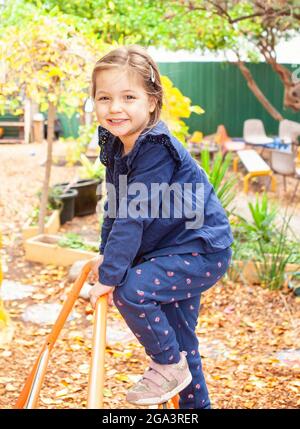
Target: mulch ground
[{"x": 241, "y": 327}]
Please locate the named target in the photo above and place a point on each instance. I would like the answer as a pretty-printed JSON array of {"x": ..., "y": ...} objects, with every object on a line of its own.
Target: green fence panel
[{"x": 222, "y": 91}]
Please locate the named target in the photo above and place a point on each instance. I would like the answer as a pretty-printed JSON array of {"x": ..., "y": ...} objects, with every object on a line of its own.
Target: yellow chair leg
[
  {"x": 235, "y": 164},
  {"x": 246, "y": 183},
  {"x": 249, "y": 176},
  {"x": 273, "y": 183}
]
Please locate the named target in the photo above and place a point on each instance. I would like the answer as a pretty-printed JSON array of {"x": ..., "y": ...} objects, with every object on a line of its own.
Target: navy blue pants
[{"x": 160, "y": 301}]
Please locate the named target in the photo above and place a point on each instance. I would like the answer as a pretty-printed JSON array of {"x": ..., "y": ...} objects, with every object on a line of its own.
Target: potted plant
[
  {"x": 88, "y": 186},
  {"x": 63, "y": 199}
]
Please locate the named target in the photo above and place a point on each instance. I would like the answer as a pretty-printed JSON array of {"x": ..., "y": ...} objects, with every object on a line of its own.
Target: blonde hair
[{"x": 136, "y": 58}]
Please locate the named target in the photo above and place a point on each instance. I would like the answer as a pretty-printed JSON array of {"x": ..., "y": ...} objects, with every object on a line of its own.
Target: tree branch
[
  {"x": 257, "y": 92},
  {"x": 219, "y": 10}
]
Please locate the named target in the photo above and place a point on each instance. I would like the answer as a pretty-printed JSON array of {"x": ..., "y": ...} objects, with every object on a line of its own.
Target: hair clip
[
  {"x": 89, "y": 105},
  {"x": 152, "y": 75}
]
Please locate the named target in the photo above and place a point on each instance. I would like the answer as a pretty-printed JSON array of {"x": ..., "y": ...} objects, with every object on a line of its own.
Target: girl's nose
[{"x": 115, "y": 106}]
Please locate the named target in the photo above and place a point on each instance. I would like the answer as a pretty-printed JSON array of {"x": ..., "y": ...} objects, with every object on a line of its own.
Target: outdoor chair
[
  {"x": 288, "y": 131},
  {"x": 254, "y": 132},
  {"x": 255, "y": 167},
  {"x": 284, "y": 163}
]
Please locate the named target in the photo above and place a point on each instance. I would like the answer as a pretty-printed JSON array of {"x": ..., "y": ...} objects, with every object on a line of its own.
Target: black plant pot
[
  {"x": 87, "y": 197},
  {"x": 68, "y": 209}
]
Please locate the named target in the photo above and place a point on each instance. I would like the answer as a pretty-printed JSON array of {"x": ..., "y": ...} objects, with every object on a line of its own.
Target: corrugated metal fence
[{"x": 222, "y": 91}]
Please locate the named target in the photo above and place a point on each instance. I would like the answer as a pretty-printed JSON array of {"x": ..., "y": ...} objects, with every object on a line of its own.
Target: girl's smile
[{"x": 116, "y": 122}]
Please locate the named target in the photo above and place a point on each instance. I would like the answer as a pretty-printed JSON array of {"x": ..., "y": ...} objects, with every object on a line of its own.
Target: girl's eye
[{"x": 127, "y": 97}]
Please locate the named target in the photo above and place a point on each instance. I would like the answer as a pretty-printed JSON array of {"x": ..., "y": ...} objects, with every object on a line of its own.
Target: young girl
[{"x": 155, "y": 265}]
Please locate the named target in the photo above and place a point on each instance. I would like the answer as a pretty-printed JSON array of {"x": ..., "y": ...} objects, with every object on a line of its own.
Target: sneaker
[{"x": 160, "y": 383}]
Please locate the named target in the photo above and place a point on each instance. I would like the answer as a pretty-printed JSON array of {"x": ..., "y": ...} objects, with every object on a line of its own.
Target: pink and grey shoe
[{"x": 160, "y": 383}]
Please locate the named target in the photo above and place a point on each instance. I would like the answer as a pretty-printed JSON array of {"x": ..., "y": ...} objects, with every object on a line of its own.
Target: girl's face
[{"x": 122, "y": 105}]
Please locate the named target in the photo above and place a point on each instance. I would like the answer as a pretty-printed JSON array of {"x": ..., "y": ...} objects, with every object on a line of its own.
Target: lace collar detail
[{"x": 110, "y": 146}]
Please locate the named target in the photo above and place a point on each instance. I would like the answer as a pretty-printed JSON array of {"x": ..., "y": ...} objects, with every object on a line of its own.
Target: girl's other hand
[
  {"x": 98, "y": 290},
  {"x": 94, "y": 274}
]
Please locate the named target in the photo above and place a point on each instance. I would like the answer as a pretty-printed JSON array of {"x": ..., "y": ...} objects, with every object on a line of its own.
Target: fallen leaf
[
  {"x": 84, "y": 368},
  {"x": 122, "y": 377},
  {"x": 47, "y": 401},
  {"x": 11, "y": 387},
  {"x": 6, "y": 353},
  {"x": 107, "y": 393},
  {"x": 4, "y": 380},
  {"x": 39, "y": 296},
  {"x": 62, "y": 392}
]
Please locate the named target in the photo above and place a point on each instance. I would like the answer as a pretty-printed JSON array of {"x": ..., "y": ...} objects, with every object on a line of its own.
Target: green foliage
[
  {"x": 113, "y": 22},
  {"x": 91, "y": 170},
  {"x": 80, "y": 145},
  {"x": 271, "y": 271},
  {"x": 34, "y": 217},
  {"x": 54, "y": 203},
  {"x": 54, "y": 200},
  {"x": 74, "y": 241},
  {"x": 263, "y": 215},
  {"x": 216, "y": 171},
  {"x": 261, "y": 239},
  {"x": 118, "y": 21},
  {"x": 170, "y": 23},
  {"x": 16, "y": 12}
]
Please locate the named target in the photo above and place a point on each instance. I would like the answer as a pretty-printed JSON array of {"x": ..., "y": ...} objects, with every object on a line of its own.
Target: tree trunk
[
  {"x": 291, "y": 98},
  {"x": 45, "y": 190},
  {"x": 257, "y": 92},
  {"x": 27, "y": 120},
  {"x": 4, "y": 318},
  {"x": 291, "y": 89}
]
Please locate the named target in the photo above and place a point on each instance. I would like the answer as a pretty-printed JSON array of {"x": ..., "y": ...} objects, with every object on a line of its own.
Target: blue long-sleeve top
[{"x": 156, "y": 157}]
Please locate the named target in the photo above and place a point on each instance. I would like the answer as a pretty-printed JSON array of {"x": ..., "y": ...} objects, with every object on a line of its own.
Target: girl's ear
[{"x": 152, "y": 104}]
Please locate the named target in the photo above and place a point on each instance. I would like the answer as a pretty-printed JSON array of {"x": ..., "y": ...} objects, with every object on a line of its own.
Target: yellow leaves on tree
[
  {"x": 47, "y": 61},
  {"x": 175, "y": 107}
]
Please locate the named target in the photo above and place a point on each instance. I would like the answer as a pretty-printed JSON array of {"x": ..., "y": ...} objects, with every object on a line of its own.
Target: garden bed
[
  {"x": 52, "y": 226},
  {"x": 46, "y": 250}
]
